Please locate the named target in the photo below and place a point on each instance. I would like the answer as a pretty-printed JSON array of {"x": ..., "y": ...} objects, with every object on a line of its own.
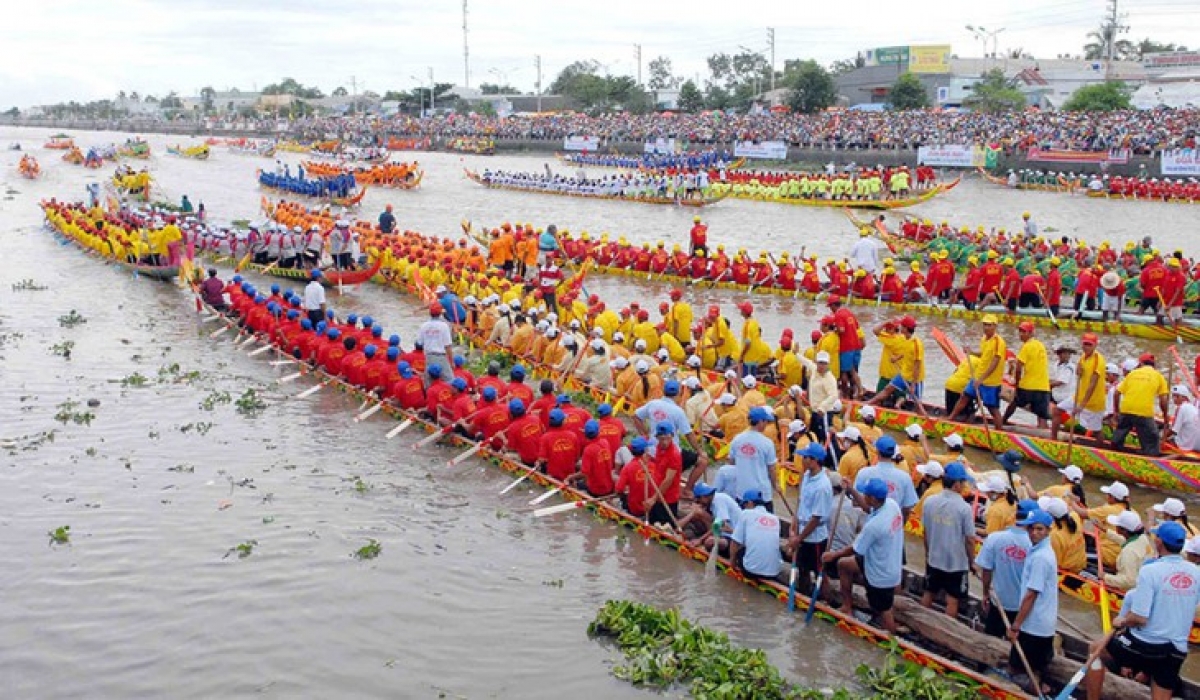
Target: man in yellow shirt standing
[
  {"x": 1032, "y": 377},
  {"x": 985, "y": 384},
  {"x": 754, "y": 351},
  {"x": 679, "y": 318},
  {"x": 1133, "y": 403},
  {"x": 907, "y": 355},
  {"x": 1087, "y": 406}
]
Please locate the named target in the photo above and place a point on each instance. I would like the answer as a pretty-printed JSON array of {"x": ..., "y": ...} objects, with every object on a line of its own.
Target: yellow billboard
[{"x": 929, "y": 59}]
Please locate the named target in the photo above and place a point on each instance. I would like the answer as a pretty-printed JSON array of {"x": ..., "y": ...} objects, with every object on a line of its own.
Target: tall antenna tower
[
  {"x": 1112, "y": 27},
  {"x": 466, "y": 50}
]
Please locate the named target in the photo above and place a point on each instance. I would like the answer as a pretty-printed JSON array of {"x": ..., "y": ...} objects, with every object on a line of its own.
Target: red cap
[
  {"x": 664, "y": 307},
  {"x": 908, "y": 322},
  {"x": 788, "y": 333},
  {"x": 676, "y": 293},
  {"x": 435, "y": 309},
  {"x": 746, "y": 307},
  {"x": 593, "y": 299},
  {"x": 714, "y": 311},
  {"x": 833, "y": 299},
  {"x": 1026, "y": 326},
  {"x": 828, "y": 321},
  {"x": 1091, "y": 338},
  {"x": 634, "y": 305},
  {"x": 785, "y": 342},
  {"x": 643, "y": 315},
  {"x": 816, "y": 335},
  {"x": 625, "y": 312},
  {"x": 1146, "y": 358}
]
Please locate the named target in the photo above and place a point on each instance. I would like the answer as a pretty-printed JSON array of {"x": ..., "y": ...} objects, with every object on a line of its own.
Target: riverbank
[{"x": 797, "y": 156}]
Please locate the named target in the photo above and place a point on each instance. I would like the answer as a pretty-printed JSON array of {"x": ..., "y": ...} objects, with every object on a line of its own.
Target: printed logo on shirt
[
  {"x": 1181, "y": 581},
  {"x": 748, "y": 450},
  {"x": 897, "y": 524},
  {"x": 766, "y": 521},
  {"x": 1015, "y": 552},
  {"x": 659, "y": 415}
]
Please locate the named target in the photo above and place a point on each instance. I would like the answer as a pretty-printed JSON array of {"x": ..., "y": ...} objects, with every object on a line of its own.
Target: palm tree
[{"x": 1097, "y": 47}]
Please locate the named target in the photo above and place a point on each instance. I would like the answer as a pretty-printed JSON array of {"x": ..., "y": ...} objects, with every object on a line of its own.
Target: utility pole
[
  {"x": 537, "y": 63},
  {"x": 1112, "y": 27},
  {"x": 353, "y": 95},
  {"x": 637, "y": 53},
  {"x": 771, "y": 43},
  {"x": 431, "y": 97},
  {"x": 466, "y": 50}
]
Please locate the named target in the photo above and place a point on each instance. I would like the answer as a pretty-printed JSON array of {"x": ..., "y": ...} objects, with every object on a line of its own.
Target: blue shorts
[
  {"x": 905, "y": 387},
  {"x": 849, "y": 360},
  {"x": 989, "y": 396}
]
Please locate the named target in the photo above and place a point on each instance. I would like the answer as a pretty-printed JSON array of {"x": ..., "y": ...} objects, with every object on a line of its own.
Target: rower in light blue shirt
[
  {"x": 1032, "y": 631},
  {"x": 757, "y": 536},
  {"x": 1001, "y": 559},
  {"x": 899, "y": 483}
]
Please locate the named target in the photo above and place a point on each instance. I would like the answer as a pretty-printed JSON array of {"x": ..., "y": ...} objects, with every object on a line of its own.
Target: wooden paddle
[
  {"x": 466, "y": 454},
  {"x": 1069, "y": 689},
  {"x": 400, "y": 428},
  {"x": 573, "y": 505},
  {"x": 289, "y": 378},
  {"x": 794, "y": 574},
  {"x": 1037, "y": 684},
  {"x": 312, "y": 390},
  {"x": 369, "y": 412},
  {"x": 545, "y": 496},
  {"x": 1105, "y": 613},
  {"x": 816, "y": 592}
]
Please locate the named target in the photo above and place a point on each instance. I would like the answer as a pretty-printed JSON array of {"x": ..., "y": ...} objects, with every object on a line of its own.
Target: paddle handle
[
  {"x": 400, "y": 428},
  {"x": 463, "y": 457},
  {"x": 369, "y": 412}
]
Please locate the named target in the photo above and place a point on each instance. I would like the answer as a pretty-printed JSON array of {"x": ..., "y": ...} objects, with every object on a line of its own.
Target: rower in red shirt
[
  {"x": 611, "y": 427},
  {"x": 462, "y": 406},
  {"x": 560, "y": 448},
  {"x": 546, "y": 402},
  {"x": 516, "y": 388},
  {"x": 492, "y": 416},
  {"x": 523, "y": 435},
  {"x": 1152, "y": 279},
  {"x": 641, "y": 260},
  {"x": 1054, "y": 286},
  {"x": 596, "y": 463},
  {"x": 850, "y": 344},
  {"x": 914, "y": 284},
  {"x": 408, "y": 391},
  {"x": 680, "y": 261},
  {"x": 699, "y": 266},
  {"x": 1010, "y": 288},
  {"x": 353, "y": 362},
  {"x": 492, "y": 379},
  {"x": 891, "y": 289},
  {"x": 415, "y": 359},
  {"x": 864, "y": 285},
  {"x": 574, "y": 417},
  {"x": 811, "y": 282},
  {"x": 659, "y": 260},
  {"x": 331, "y": 355},
  {"x": 740, "y": 270},
  {"x": 990, "y": 277},
  {"x": 786, "y": 275},
  {"x": 667, "y": 465},
  {"x": 698, "y": 236},
  {"x": 439, "y": 395},
  {"x": 761, "y": 271},
  {"x": 635, "y": 489}
]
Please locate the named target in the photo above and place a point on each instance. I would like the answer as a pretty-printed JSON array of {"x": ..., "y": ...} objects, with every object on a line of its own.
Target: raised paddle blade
[
  {"x": 437, "y": 435},
  {"x": 465, "y": 455},
  {"x": 399, "y": 428},
  {"x": 369, "y": 412},
  {"x": 281, "y": 363},
  {"x": 544, "y": 496},
  {"x": 220, "y": 331},
  {"x": 812, "y": 602},
  {"x": 259, "y": 351},
  {"x": 289, "y": 378},
  {"x": 562, "y": 508},
  {"x": 310, "y": 391},
  {"x": 514, "y": 484}
]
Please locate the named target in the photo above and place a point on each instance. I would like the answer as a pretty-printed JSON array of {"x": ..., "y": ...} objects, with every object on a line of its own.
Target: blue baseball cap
[
  {"x": 671, "y": 387},
  {"x": 604, "y": 410},
  {"x": 814, "y": 451},
  {"x": 563, "y": 398},
  {"x": 434, "y": 371},
  {"x": 638, "y": 445},
  {"x": 489, "y": 393},
  {"x": 875, "y": 488},
  {"x": 701, "y": 489},
  {"x": 1172, "y": 534},
  {"x": 352, "y": 319},
  {"x": 557, "y": 416},
  {"x": 1025, "y": 506},
  {"x": 955, "y": 471},
  {"x": 367, "y": 321},
  {"x": 886, "y": 446},
  {"x": 758, "y": 414},
  {"x": 394, "y": 340},
  {"x": 393, "y": 352},
  {"x": 753, "y": 496},
  {"x": 517, "y": 372},
  {"x": 316, "y": 274},
  {"x": 1037, "y": 517},
  {"x": 516, "y": 407},
  {"x": 369, "y": 351},
  {"x": 459, "y": 383},
  {"x": 1011, "y": 461},
  {"x": 664, "y": 429},
  {"x": 591, "y": 428},
  {"x": 459, "y": 360}
]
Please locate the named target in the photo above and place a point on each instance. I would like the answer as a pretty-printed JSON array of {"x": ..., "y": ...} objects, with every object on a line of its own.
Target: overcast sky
[{"x": 57, "y": 50}]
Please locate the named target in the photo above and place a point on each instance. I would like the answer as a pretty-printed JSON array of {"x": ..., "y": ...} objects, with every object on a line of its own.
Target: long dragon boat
[
  {"x": 347, "y": 202},
  {"x": 703, "y": 202},
  {"x": 1101, "y": 194},
  {"x": 974, "y": 652},
  {"x": 330, "y": 277},
  {"x": 376, "y": 175},
  {"x": 1063, "y": 184},
  {"x": 60, "y": 142},
  {"x": 163, "y": 273},
  {"x": 646, "y": 164},
  {"x": 134, "y": 149},
  {"x": 29, "y": 168},
  {"x": 877, "y": 204},
  {"x": 200, "y": 152}
]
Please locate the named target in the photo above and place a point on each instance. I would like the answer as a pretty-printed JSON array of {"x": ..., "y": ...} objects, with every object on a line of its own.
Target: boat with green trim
[
  {"x": 683, "y": 202},
  {"x": 878, "y": 204}
]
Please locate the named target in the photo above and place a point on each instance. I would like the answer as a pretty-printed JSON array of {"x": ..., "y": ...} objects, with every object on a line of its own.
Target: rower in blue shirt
[
  {"x": 755, "y": 546},
  {"x": 1151, "y": 635},
  {"x": 877, "y": 554},
  {"x": 1037, "y": 618},
  {"x": 899, "y": 483},
  {"x": 1000, "y": 561}
]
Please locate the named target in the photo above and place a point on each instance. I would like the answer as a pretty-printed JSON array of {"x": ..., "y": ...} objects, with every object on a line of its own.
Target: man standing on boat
[
  {"x": 1133, "y": 403},
  {"x": 810, "y": 530},
  {"x": 754, "y": 456},
  {"x": 1152, "y": 632},
  {"x": 755, "y": 546},
  {"x": 1000, "y": 561},
  {"x": 985, "y": 384},
  {"x": 437, "y": 340},
  {"x": 314, "y": 299},
  {"x": 387, "y": 221},
  {"x": 949, "y": 541},
  {"x": 1037, "y": 618},
  {"x": 1032, "y": 377},
  {"x": 878, "y": 554},
  {"x": 699, "y": 237}
]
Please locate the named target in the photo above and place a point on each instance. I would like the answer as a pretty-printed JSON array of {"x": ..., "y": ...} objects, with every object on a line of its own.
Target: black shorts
[
  {"x": 881, "y": 599},
  {"x": 809, "y": 558},
  {"x": 1148, "y": 304},
  {"x": 1039, "y": 651},
  {"x": 1159, "y": 661},
  {"x": 690, "y": 460},
  {"x": 1037, "y": 401},
  {"x": 952, "y": 583},
  {"x": 659, "y": 513},
  {"x": 994, "y": 626}
]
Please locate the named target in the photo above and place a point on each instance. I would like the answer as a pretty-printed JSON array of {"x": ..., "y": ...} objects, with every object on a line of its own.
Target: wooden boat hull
[
  {"x": 985, "y": 687},
  {"x": 575, "y": 159},
  {"x": 329, "y": 277},
  {"x": 876, "y": 204},
  {"x": 162, "y": 274},
  {"x": 1100, "y": 194},
  {"x": 1064, "y": 185},
  {"x": 478, "y": 179}
]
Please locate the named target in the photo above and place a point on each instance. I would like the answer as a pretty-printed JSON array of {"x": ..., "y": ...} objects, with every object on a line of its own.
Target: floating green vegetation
[
  {"x": 370, "y": 550},
  {"x": 478, "y": 365},
  {"x": 60, "y": 535},
  {"x": 174, "y": 374},
  {"x": 72, "y": 319},
  {"x": 215, "y": 399},
  {"x": 135, "y": 380},
  {"x": 250, "y": 403},
  {"x": 68, "y": 413},
  {"x": 201, "y": 427},
  {"x": 63, "y": 349},
  {"x": 242, "y": 550}
]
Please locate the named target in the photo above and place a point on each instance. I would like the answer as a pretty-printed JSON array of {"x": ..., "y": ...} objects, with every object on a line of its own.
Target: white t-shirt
[
  {"x": 1064, "y": 373},
  {"x": 314, "y": 296},
  {"x": 1187, "y": 426},
  {"x": 434, "y": 335}
]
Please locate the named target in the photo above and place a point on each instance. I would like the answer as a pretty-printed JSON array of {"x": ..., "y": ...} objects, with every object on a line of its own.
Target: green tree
[
  {"x": 496, "y": 89},
  {"x": 171, "y": 101},
  {"x": 1098, "y": 44},
  {"x": 691, "y": 100},
  {"x": 908, "y": 93},
  {"x": 735, "y": 80},
  {"x": 661, "y": 75},
  {"x": 1102, "y": 97},
  {"x": 995, "y": 93},
  {"x": 811, "y": 87},
  {"x": 1147, "y": 46},
  {"x": 12, "y": 113},
  {"x": 206, "y": 98},
  {"x": 846, "y": 65},
  {"x": 339, "y": 91}
]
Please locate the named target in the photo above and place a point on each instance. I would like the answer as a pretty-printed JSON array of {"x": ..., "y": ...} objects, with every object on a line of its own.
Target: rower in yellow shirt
[
  {"x": 1134, "y": 403},
  {"x": 985, "y": 385},
  {"x": 1032, "y": 377},
  {"x": 679, "y": 318},
  {"x": 788, "y": 369},
  {"x": 668, "y": 342},
  {"x": 753, "y": 352},
  {"x": 644, "y": 330},
  {"x": 1088, "y": 406}
]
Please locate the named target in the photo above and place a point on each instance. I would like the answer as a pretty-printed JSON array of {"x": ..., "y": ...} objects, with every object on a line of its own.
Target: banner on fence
[
  {"x": 660, "y": 147},
  {"x": 581, "y": 143},
  {"x": 1184, "y": 161},
  {"x": 950, "y": 156},
  {"x": 1058, "y": 155},
  {"x": 764, "y": 150}
]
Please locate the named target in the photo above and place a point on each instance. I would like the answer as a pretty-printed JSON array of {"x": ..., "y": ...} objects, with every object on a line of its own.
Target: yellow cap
[
  {"x": 990, "y": 318},
  {"x": 1025, "y": 215},
  {"x": 992, "y": 255},
  {"x": 1055, "y": 260},
  {"x": 973, "y": 260},
  {"x": 864, "y": 231},
  {"x": 888, "y": 262},
  {"x": 860, "y": 273},
  {"x": 1009, "y": 261},
  {"x": 914, "y": 266},
  {"x": 889, "y": 270},
  {"x": 1173, "y": 262},
  {"x": 696, "y": 219},
  {"x": 783, "y": 255}
]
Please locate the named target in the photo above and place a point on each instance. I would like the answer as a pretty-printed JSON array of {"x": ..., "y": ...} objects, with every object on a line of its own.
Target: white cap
[
  {"x": 597, "y": 333},
  {"x": 642, "y": 367},
  {"x": 1112, "y": 368},
  {"x": 727, "y": 399},
  {"x": 795, "y": 390},
  {"x": 618, "y": 337},
  {"x": 749, "y": 381},
  {"x": 1172, "y": 507},
  {"x": 574, "y": 325},
  {"x": 621, "y": 363},
  {"x": 569, "y": 340},
  {"x": 597, "y": 344},
  {"x": 953, "y": 440},
  {"x": 694, "y": 361},
  {"x": 914, "y": 431},
  {"x": 1117, "y": 490},
  {"x": 993, "y": 484},
  {"x": 1127, "y": 519},
  {"x": 1181, "y": 390},
  {"x": 639, "y": 345},
  {"x": 796, "y": 426},
  {"x": 1129, "y": 364},
  {"x": 730, "y": 374},
  {"x": 692, "y": 383},
  {"x": 441, "y": 289},
  {"x": 542, "y": 325},
  {"x": 504, "y": 308},
  {"x": 1072, "y": 472},
  {"x": 837, "y": 405},
  {"x": 850, "y": 433},
  {"x": 552, "y": 317},
  {"x": 866, "y": 412},
  {"x": 551, "y": 332},
  {"x": 662, "y": 355},
  {"x": 1192, "y": 546},
  {"x": 932, "y": 469},
  {"x": 1053, "y": 505},
  {"x": 823, "y": 356},
  {"x": 769, "y": 409},
  {"x": 470, "y": 300}
]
